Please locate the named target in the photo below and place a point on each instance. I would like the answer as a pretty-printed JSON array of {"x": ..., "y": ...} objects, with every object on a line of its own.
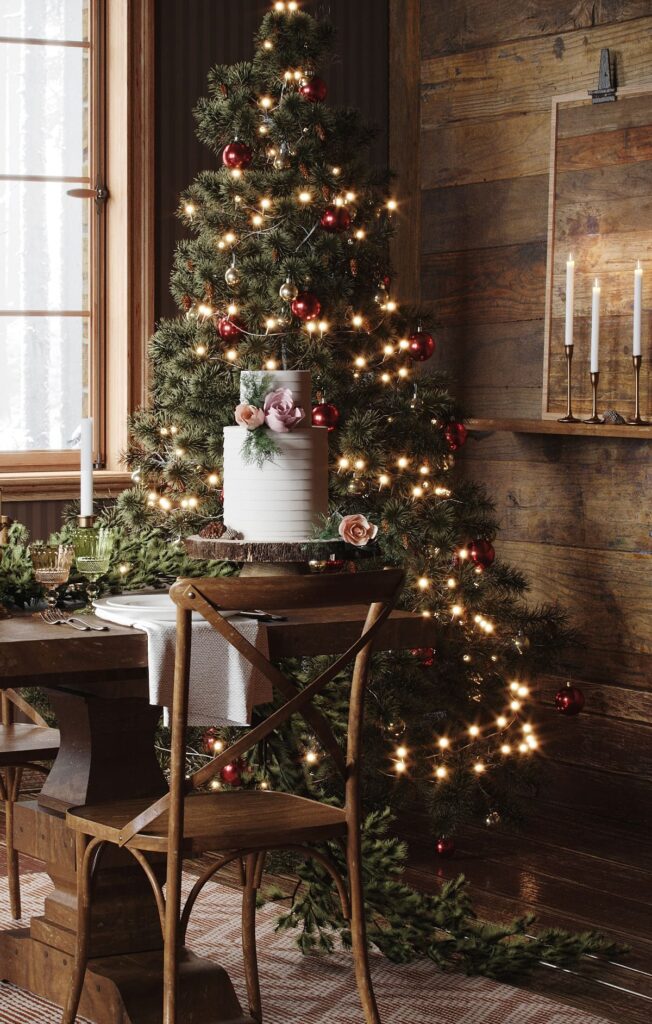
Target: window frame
[{"x": 122, "y": 255}]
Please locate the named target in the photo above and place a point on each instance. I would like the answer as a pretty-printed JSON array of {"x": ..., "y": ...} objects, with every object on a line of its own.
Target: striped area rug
[{"x": 322, "y": 987}]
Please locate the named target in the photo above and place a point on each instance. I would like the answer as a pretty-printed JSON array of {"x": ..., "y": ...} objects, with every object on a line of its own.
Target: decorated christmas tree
[{"x": 287, "y": 266}]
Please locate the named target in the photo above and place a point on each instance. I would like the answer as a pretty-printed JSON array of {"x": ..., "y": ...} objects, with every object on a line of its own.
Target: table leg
[{"x": 107, "y": 752}]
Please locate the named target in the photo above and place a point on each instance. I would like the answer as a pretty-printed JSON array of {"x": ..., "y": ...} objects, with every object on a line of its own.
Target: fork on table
[{"x": 54, "y": 617}]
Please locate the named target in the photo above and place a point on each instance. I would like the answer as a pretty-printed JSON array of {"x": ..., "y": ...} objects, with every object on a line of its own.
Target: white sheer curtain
[{"x": 44, "y": 243}]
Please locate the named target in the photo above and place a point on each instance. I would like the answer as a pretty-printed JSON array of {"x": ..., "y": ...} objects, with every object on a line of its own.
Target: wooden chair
[
  {"x": 244, "y": 824},
  {"x": 21, "y": 744}
]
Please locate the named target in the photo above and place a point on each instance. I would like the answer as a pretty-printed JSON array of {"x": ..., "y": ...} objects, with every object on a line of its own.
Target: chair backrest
[
  {"x": 376, "y": 591},
  {"x": 10, "y": 702}
]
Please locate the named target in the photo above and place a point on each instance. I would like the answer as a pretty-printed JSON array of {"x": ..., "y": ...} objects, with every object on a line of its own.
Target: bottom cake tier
[{"x": 283, "y": 498}]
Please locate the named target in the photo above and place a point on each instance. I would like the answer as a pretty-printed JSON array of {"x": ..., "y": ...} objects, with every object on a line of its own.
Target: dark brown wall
[
  {"x": 192, "y": 36},
  {"x": 40, "y": 517},
  {"x": 575, "y": 511}
]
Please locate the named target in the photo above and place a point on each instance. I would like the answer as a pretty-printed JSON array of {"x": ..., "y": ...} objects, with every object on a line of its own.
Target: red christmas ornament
[
  {"x": 237, "y": 156},
  {"x": 326, "y": 415},
  {"x": 306, "y": 306},
  {"x": 208, "y": 740},
  {"x": 229, "y": 327},
  {"x": 231, "y": 774},
  {"x": 482, "y": 553},
  {"x": 422, "y": 346},
  {"x": 569, "y": 700},
  {"x": 426, "y": 656},
  {"x": 455, "y": 434},
  {"x": 335, "y": 218},
  {"x": 445, "y": 847},
  {"x": 387, "y": 282},
  {"x": 314, "y": 89}
]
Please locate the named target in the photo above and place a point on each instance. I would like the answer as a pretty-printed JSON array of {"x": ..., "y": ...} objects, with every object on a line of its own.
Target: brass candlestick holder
[
  {"x": 85, "y": 522},
  {"x": 594, "y": 418},
  {"x": 637, "y": 421},
  {"x": 569, "y": 418}
]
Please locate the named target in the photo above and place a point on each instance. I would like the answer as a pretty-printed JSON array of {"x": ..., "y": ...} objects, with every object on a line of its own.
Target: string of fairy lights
[{"x": 511, "y": 733}]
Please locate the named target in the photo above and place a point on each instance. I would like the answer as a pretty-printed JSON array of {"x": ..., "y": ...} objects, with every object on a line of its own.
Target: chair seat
[
  {"x": 20, "y": 744},
  {"x": 219, "y": 821}
]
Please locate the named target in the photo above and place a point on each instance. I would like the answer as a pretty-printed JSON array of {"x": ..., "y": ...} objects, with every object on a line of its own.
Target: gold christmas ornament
[
  {"x": 288, "y": 291},
  {"x": 232, "y": 277}
]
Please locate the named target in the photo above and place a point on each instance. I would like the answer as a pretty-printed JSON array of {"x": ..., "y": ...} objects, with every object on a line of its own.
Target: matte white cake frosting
[{"x": 282, "y": 499}]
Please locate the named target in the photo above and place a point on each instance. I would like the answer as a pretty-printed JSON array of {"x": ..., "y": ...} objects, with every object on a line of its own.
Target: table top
[{"x": 30, "y": 648}]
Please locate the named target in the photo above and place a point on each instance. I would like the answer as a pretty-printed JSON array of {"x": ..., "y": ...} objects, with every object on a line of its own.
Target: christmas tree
[{"x": 287, "y": 266}]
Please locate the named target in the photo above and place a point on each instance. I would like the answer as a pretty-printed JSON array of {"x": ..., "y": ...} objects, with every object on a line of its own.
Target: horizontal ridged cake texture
[{"x": 282, "y": 499}]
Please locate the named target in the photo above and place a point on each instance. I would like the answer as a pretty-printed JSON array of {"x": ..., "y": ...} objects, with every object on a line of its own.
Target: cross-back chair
[
  {"x": 22, "y": 743},
  {"x": 244, "y": 824}
]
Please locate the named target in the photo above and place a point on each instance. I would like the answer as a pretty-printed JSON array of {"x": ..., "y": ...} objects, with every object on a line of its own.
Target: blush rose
[
  {"x": 249, "y": 416},
  {"x": 356, "y": 529},
  {"x": 282, "y": 414}
]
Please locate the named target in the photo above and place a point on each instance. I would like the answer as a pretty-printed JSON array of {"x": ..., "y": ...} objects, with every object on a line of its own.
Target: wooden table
[{"x": 97, "y": 683}]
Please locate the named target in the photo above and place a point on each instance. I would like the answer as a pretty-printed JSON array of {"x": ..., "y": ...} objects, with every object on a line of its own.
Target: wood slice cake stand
[{"x": 268, "y": 558}]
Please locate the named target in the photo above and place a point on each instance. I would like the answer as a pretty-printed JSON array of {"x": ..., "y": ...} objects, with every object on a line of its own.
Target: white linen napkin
[{"x": 224, "y": 686}]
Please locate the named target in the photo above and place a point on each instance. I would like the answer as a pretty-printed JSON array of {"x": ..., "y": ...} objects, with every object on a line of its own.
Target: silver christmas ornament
[
  {"x": 288, "y": 291},
  {"x": 381, "y": 295},
  {"x": 232, "y": 277},
  {"x": 282, "y": 159}
]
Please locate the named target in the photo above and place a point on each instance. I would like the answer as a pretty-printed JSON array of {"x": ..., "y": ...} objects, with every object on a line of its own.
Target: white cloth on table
[{"x": 224, "y": 686}]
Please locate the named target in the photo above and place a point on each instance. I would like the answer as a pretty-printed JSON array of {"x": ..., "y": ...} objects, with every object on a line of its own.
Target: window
[
  {"x": 76, "y": 275},
  {"x": 50, "y": 228}
]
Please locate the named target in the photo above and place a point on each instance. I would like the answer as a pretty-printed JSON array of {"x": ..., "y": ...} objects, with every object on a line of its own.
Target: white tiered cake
[{"x": 282, "y": 499}]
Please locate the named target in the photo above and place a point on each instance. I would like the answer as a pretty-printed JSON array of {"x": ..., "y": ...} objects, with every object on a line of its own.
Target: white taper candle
[
  {"x": 570, "y": 299},
  {"x": 638, "y": 309},
  {"x": 86, "y": 476},
  {"x": 595, "y": 329}
]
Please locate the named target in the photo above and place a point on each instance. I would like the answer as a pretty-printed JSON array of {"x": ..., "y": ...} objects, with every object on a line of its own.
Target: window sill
[{"x": 59, "y": 486}]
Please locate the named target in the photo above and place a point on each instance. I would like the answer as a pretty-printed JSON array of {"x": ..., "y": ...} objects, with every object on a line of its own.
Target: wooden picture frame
[{"x": 600, "y": 209}]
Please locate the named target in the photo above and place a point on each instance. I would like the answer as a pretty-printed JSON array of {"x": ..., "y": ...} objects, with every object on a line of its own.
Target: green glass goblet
[
  {"x": 93, "y": 549},
  {"x": 51, "y": 563}
]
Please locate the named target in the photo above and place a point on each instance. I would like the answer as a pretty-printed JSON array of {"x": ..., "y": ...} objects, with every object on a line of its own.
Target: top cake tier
[{"x": 298, "y": 381}]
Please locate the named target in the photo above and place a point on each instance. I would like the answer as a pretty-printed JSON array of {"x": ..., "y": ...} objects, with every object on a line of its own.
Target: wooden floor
[{"x": 570, "y": 875}]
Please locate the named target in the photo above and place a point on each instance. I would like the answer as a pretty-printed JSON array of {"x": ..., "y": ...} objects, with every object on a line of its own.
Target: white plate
[{"x": 159, "y": 607}]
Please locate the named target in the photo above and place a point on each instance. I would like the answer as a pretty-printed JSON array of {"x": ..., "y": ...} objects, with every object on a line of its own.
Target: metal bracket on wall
[{"x": 606, "y": 91}]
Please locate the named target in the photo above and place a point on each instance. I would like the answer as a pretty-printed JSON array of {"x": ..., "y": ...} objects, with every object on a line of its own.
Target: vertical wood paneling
[
  {"x": 574, "y": 512},
  {"x": 192, "y": 36},
  {"x": 40, "y": 517}
]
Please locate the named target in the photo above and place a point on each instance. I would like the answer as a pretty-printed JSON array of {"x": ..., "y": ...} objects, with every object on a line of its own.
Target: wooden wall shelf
[{"x": 553, "y": 427}]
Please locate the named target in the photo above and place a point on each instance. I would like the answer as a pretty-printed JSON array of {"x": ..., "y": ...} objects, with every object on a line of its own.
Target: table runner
[{"x": 224, "y": 687}]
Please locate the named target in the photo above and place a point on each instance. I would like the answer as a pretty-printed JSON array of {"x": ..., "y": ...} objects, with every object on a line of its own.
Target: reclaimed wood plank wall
[{"x": 575, "y": 512}]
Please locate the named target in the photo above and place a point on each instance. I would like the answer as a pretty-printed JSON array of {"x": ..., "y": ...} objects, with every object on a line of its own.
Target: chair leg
[
  {"x": 359, "y": 930},
  {"x": 171, "y": 937},
  {"x": 13, "y": 870},
  {"x": 87, "y": 854},
  {"x": 253, "y": 870}
]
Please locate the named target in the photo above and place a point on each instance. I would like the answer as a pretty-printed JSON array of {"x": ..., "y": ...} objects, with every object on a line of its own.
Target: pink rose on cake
[
  {"x": 249, "y": 416},
  {"x": 356, "y": 529},
  {"x": 282, "y": 414}
]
